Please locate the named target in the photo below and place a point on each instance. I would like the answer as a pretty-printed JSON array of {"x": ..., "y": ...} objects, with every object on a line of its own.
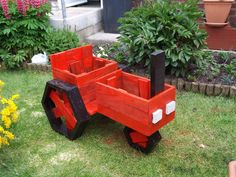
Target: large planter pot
[
  {"x": 112, "y": 11},
  {"x": 217, "y": 12}
]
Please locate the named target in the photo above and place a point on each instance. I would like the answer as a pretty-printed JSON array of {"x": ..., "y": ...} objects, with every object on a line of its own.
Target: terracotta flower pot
[{"x": 217, "y": 12}]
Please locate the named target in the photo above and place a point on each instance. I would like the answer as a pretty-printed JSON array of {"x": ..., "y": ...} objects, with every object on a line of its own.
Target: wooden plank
[
  {"x": 159, "y": 101},
  {"x": 89, "y": 97},
  {"x": 122, "y": 91},
  {"x": 130, "y": 84},
  {"x": 112, "y": 81},
  {"x": 88, "y": 64},
  {"x": 93, "y": 75},
  {"x": 64, "y": 75},
  {"x": 157, "y": 72},
  {"x": 91, "y": 108},
  {"x": 76, "y": 67},
  {"x": 134, "y": 77},
  {"x": 62, "y": 60},
  {"x": 120, "y": 100},
  {"x": 83, "y": 78},
  {"x": 59, "y": 61},
  {"x": 125, "y": 120},
  {"x": 70, "y": 119},
  {"x": 144, "y": 88},
  {"x": 98, "y": 63},
  {"x": 103, "y": 79}
]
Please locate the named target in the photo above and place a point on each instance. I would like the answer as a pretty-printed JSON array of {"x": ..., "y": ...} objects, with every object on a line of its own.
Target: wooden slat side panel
[
  {"x": 125, "y": 120},
  {"x": 62, "y": 60},
  {"x": 137, "y": 102},
  {"x": 76, "y": 67},
  {"x": 64, "y": 76},
  {"x": 94, "y": 75},
  {"x": 166, "y": 96},
  {"x": 144, "y": 88},
  {"x": 98, "y": 63},
  {"x": 83, "y": 78},
  {"x": 88, "y": 64},
  {"x": 89, "y": 97},
  {"x": 159, "y": 102},
  {"x": 112, "y": 82},
  {"x": 122, "y": 102},
  {"x": 103, "y": 79},
  {"x": 88, "y": 92},
  {"x": 87, "y": 51},
  {"x": 135, "y": 77},
  {"x": 130, "y": 84}
]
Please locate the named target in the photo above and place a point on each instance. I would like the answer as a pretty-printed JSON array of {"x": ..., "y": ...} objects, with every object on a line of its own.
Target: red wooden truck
[{"x": 84, "y": 85}]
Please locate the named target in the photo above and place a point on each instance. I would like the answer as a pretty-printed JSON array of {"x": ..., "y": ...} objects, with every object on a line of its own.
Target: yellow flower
[
  {"x": 7, "y": 121},
  {"x": 12, "y": 106},
  {"x": 1, "y": 83},
  {"x": 15, "y": 116},
  {"x": 1, "y": 142},
  {"x": 16, "y": 96},
  {"x": 1, "y": 129},
  {"x": 6, "y": 112},
  {"x": 8, "y": 115},
  {"x": 4, "y": 100},
  {"x": 9, "y": 135},
  {"x": 5, "y": 141}
]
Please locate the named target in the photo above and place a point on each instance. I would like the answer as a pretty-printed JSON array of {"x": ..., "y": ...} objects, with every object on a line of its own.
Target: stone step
[{"x": 102, "y": 38}]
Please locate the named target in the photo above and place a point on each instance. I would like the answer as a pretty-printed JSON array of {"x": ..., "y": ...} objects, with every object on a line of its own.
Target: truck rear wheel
[{"x": 140, "y": 142}]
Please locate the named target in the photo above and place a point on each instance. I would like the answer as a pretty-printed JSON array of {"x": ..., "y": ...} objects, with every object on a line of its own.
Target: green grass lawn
[{"x": 199, "y": 142}]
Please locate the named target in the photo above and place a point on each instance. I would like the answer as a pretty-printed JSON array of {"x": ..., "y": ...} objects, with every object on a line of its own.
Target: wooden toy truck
[{"x": 84, "y": 85}]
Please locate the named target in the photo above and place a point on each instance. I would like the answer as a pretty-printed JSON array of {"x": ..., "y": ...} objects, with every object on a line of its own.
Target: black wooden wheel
[
  {"x": 65, "y": 109},
  {"x": 140, "y": 142}
]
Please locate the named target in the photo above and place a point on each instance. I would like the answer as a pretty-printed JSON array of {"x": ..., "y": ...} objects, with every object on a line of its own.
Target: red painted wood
[
  {"x": 131, "y": 109},
  {"x": 112, "y": 81},
  {"x": 92, "y": 107},
  {"x": 121, "y": 96},
  {"x": 144, "y": 88},
  {"x": 138, "y": 138},
  {"x": 63, "y": 110},
  {"x": 79, "y": 67},
  {"x": 76, "y": 67},
  {"x": 57, "y": 113},
  {"x": 221, "y": 38},
  {"x": 98, "y": 63}
]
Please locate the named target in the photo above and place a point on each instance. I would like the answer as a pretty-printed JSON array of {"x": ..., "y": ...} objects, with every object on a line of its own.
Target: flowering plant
[
  {"x": 9, "y": 116},
  {"x": 23, "y": 7},
  {"x": 102, "y": 53},
  {"x": 24, "y": 25}
]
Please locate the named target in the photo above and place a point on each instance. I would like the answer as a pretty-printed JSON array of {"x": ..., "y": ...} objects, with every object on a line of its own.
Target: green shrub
[
  {"x": 12, "y": 61},
  {"x": 166, "y": 25},
  {"x": 23, "y": 28},
  {"x": 60, "y": 40}
]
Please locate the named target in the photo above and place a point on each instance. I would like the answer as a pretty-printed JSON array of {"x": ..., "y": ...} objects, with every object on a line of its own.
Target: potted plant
[{"x": 217, "y": 12}]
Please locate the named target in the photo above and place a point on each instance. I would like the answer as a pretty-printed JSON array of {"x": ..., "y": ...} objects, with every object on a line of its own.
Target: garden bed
[{"x": 220, "y": 68}]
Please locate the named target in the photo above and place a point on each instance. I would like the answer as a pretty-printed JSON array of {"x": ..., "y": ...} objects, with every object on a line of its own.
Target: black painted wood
[
  {"x": 157, "y": 72},
  {"x": 153, "y": 140},
  {"x": 77, "y": 105},
  {"x": 112, "y": 11}
]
